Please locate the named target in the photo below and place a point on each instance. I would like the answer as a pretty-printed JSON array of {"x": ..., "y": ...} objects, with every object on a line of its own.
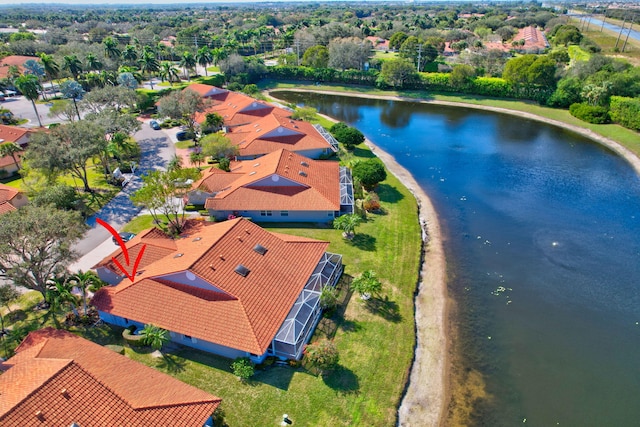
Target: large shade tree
[
  {"x": 36, "y": 245},
  {"x": 68, "y": 148},
  {"x": 29, "y": 86},
  {"x": 182, "y": 105}
]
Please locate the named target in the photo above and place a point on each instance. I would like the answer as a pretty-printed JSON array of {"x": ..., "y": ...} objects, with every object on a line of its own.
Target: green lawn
[
  {"x": 375, "y": 339},
  {"x": 577, "y": 54}
]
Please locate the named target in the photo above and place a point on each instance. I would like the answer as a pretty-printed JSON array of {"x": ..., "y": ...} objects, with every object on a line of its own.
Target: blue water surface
[{"x": 543, "y": 249}]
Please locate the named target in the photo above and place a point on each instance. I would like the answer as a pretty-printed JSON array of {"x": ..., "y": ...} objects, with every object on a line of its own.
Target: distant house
[
  {"x": 14, "y": 60},
  {"x": 281, "y": 186},
  {"x": 12, "y": 134},
  {"x": 534, "y": 40},
  {"x": 59, "y": 379},
  {"x": 229, "y": 288},
  {"x": 259, "y": 128},
  {"x": 11, "y": 199},
  {"x": 379, "y": 43}
]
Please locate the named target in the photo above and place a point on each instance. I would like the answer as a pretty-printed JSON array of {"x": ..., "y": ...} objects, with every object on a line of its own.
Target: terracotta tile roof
[
  {"x": 237, "y": 109},
  {"x": 57, "y": 378},
  {"x": 16, "y": 60},
  {"x": 11, "y": 133},
  {"x": 6, "y": 207},
  {"x": 215, "y": 179},
  {"x": 274, "y": 132},
  {"x": 7, "y": 193},
  {"x": 200, "y": 294},
  {"x": 158, "y": 246},
  {"x": 256, "y": 187},
  {"x": 207, "y": 90},
  {"x": 8, "y": 160},
  {"x": 533, "y": 38}
]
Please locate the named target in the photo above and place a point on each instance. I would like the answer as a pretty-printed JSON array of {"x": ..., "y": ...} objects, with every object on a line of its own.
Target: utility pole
[
  {"x": 630, "y": 27},
  {"x": 298, "y": 51},
  {"x": 620, "y": 33},
  {"x": 604, "y": 19},
  {"x": 419, "y": 56}
]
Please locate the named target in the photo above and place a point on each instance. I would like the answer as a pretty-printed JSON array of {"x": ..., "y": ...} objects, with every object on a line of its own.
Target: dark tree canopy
[
  {"x": 369, "y": 172},
  {"x": 35, "y": 244}
]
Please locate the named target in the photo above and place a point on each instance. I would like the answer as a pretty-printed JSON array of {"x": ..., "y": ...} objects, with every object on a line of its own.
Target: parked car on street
[{"x": 154, "y": 125}]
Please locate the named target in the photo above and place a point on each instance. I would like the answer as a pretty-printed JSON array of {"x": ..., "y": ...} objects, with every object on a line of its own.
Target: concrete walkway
[{"x": 157, "y": 148}]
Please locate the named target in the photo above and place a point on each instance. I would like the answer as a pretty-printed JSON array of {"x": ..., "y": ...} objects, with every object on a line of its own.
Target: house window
[
  {"x": 126, "y": 321},
  {"x": 266, "y": 213},
  {"x": 194, "y": 340},
  {"x": 330, "y": 214},
  {"x": 188, "y": 337},
  {"x": 284, "y": 213}
]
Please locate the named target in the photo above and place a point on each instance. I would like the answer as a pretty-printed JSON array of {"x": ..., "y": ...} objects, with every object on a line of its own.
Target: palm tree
[
  {"x": 51, "y": 67},
  {"x": 83, "y": 280},
  {"x": 188, "y": 62},
  {"x": 10, "y": 149},
  {"x": 59, "y": 293},
  {"x": 111, "y": 48},
  {"x": 168, "y": 72},
  {"x": 218, "y": 54},
  {"x": 130, "y": 54},
  {"x": 93, "y": 63},
  {"x": 73, "y": 65},
  {"x": 134, "y": 71},
  {"x": 348, "y": 224},
  {"x": 30, "y": 86},
  {"x": 154, "y": 336},
  {"x": 213, "y": 121},
  {"x": 73, "y": 90},
  {"x": 366, "y": 284},
  {"x": 149, "y": 65},
  {"x": 204, "y": 57}
]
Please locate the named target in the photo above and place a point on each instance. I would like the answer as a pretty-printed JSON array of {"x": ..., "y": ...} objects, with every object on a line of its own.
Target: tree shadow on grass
[
  {"x": 171, "y": 363},
  {"x": 363, "y": 153},
  {"x": 384, "y": 307},
  {"x": 342, "y": 380},
  {"x": 275, "y": 376},
  {"x": 389, "y": 194},
  {"x": 364, "y": 242}
]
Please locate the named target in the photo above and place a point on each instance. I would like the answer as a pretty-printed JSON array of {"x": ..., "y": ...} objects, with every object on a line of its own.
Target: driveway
[{"x": 157, "y": 148}]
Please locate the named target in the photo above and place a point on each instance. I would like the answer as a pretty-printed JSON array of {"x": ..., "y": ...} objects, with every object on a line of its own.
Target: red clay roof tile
[
  {"x": 58, "y": 378},
  {"x": 250, "y": 309}
]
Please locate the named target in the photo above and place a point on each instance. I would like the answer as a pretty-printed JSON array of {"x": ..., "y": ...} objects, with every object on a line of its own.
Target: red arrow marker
[{"x": 125, "y": 252}]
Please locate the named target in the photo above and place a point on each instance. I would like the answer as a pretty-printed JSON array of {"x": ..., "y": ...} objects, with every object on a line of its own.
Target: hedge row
[
  {"x": 589, "y": 113},
  {"x": 438, "y": 82},
  {"x": 625, "y": 111}
]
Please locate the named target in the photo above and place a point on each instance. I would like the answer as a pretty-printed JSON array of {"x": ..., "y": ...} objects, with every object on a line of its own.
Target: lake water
[{"x": 543, "y": 248}]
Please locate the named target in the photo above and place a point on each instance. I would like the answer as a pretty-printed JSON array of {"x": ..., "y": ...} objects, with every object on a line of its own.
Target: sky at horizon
[{"x": 202, "y": 2}]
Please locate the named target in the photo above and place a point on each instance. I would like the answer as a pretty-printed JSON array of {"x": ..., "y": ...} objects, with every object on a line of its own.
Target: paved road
[
  {"x": 23, "y": 109},
  {"x": 157, "y": 148}
]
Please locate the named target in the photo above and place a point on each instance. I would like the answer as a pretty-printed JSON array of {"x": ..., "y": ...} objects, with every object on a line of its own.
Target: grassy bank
[{"x": 626, "y": 137}]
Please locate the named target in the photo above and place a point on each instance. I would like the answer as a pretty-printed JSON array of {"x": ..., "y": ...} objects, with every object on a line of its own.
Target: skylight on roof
[
  {"x": 303, "y": 163},
  {"x": 178, "y": 255},
  {"x": 302, "y": 173},
  {"x": 260, "y": 249},
  {"x": 242, "y": 270}
]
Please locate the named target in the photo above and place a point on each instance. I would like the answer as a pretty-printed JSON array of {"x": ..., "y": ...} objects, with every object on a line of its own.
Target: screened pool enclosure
[{"x": 305, "y": 313}]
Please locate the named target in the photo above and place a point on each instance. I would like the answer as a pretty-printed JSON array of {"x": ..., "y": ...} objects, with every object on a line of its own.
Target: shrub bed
[{"x": 589, "y": 113}]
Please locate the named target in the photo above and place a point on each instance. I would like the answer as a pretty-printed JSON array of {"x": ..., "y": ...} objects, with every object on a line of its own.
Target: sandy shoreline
[{"x": 427, "y": 394}]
